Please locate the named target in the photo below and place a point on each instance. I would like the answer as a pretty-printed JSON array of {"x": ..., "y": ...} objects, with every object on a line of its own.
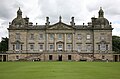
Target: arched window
[
  {"x": 103, "y": 47},
  {"x": 17, "y": 46}
]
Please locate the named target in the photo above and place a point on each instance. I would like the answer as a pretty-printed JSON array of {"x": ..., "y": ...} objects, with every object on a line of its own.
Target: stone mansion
[{"x": 60, "y": 41}]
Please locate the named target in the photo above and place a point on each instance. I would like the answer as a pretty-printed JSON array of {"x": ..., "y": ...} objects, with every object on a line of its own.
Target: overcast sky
[{"x": 37, "y": 10}]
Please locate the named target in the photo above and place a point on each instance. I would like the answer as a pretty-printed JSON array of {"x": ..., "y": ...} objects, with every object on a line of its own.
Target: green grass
[{"x": 59, "y": 70}]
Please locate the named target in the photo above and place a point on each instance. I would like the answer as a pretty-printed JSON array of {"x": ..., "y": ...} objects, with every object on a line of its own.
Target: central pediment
[{"x": 60, "y": 26}]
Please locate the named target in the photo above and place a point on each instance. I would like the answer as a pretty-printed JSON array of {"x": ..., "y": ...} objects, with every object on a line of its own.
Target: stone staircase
[{"x": 33, "y": 57}]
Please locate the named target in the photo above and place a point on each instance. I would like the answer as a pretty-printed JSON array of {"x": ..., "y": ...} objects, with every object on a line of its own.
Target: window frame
[
  {"x": 41, "y": 46},
  {"x": 79, "y": 36},
  {"x": 41, "y": 36},
  {"x": 69, "y": 36},
  {"x": 31, "y": 46},
  {"x": 88, "y": 37},
  {"x": 31, "y": 36},
  {"x": 51, "y": 45},
  {"x": 51, "y": 36},
  {"x": 60, "y": 36}
]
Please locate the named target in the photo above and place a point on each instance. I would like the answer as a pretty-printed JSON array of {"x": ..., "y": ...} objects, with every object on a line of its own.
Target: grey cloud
[
  {"x": 7, "y": 8},
  {"x": 109, "y": 6},
  {"x": 55, "y": 8}
]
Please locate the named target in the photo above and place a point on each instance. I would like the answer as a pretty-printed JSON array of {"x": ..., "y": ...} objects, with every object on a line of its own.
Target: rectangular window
[
  {"x": 103, "y": 57},
  {"x": 21, "y": 47},
  {"x": 69, "y": 57},
  {"x": 13, "y": 47},
  {"x": 50, "y": 57},
  {"x": 79, "y": 36},
  {"x": 41, "y": 47},
  {"x": 17, "y": 46},
  {"x": 69, "y": 36},
  {"x": 106, "y": 47},
  {"x": 51, "y": 47},
  {"x": 98, "y": 47},
  {"x": 69, "y": 47},
  {"x": 17, "y": 57},
  {"x": 17, "y": 36},
  {"x": 41, "y": 36},
  {"x": 88, "y": 48},
  {"x": 60, "y": 36},
  {"x": 31, "y": 47},
  {"x": 32, "y": 36},
  {"x": 79, "y": 47},
  {"x": 88, "y": 37},
  {"x": 103, "y": 47},
  {"x": 51, "y": 36}
]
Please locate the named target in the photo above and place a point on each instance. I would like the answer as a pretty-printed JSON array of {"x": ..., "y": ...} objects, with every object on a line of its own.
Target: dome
[
  {"x": 102, "y": 21},
  {"x": 18, "y": 21}
]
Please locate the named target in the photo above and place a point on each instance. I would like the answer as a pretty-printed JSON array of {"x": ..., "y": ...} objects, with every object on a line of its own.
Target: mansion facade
[{"x": 60, "y": 41}]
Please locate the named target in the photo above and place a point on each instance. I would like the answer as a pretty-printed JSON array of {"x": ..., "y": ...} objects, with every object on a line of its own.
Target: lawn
[{"x": 59, "y": 70}]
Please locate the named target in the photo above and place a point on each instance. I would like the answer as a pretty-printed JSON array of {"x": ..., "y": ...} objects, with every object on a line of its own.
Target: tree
[
  {"x": 4, "y": 45},
  {"x": 116, "y": 43}
]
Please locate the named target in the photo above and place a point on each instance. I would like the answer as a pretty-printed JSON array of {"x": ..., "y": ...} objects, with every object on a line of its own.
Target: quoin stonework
[{"x": 60, "y": 41}]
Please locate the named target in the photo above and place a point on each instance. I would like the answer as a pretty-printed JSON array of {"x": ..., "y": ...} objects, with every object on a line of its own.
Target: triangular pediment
[{"x": 60, "y": 26}]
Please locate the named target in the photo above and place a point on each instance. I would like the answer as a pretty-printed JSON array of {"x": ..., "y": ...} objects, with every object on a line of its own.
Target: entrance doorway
[
  {"x": 4, "y": 57},
  {"x": 59, "y": 57},
  {"x": 50, "y": 57},
  {"x": 0, "y": 57},
  {"x": 115, "y": 58}
]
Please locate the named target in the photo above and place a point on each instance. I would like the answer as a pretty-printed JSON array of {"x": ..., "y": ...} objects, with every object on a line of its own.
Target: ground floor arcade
[{"x": 59, "y": 57}]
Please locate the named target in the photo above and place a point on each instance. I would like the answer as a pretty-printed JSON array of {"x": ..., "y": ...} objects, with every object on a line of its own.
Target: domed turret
[
  {"x": 19, "y": 20},
  {"x": 19, "y": 12},
  {"x": 101, "y": 20}
]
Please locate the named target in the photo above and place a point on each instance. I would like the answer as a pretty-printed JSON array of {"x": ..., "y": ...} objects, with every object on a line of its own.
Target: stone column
[
  {"x": 65, "y": 42},
  {"x": 55, "y": 42},
  {"x": 73, "y": 42},
  {"x": 118, "y": 58},
  {"x": 47, "y": 42},
  {"x": 6, "y": 57},
  {"x": 2, "y": 58}
]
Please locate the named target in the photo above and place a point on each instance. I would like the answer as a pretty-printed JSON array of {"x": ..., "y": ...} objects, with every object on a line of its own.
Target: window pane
[
  {"x": 103, "y": 47},
  {"x": 69, "y": 47},
  {"x": 51, "y": 36},
  {"x": 41, "y": 36},
  {"x": 51, "y": 47},
  {"x": 106, "y": 47},
  {"x": 32, "y": 36},
  {"x": 79, "y": 48},
  {"x": 59, "y": 47},
  {"x": 88, "y": 48},
  {"x": 79, "y": 37},
  {"x": 69, "y": 36},
  {"x": 31, "y": 47},
  {"x": 88, "y": 37},
  {"x": 13, "y": 47},
  {"x": 98, "y": 47},
  {"x": 59, "y": 36},
  {"x": 41, "y": 47},
  {"x": 21, "y": 47},
  {"x": 17, "y": 46}
]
